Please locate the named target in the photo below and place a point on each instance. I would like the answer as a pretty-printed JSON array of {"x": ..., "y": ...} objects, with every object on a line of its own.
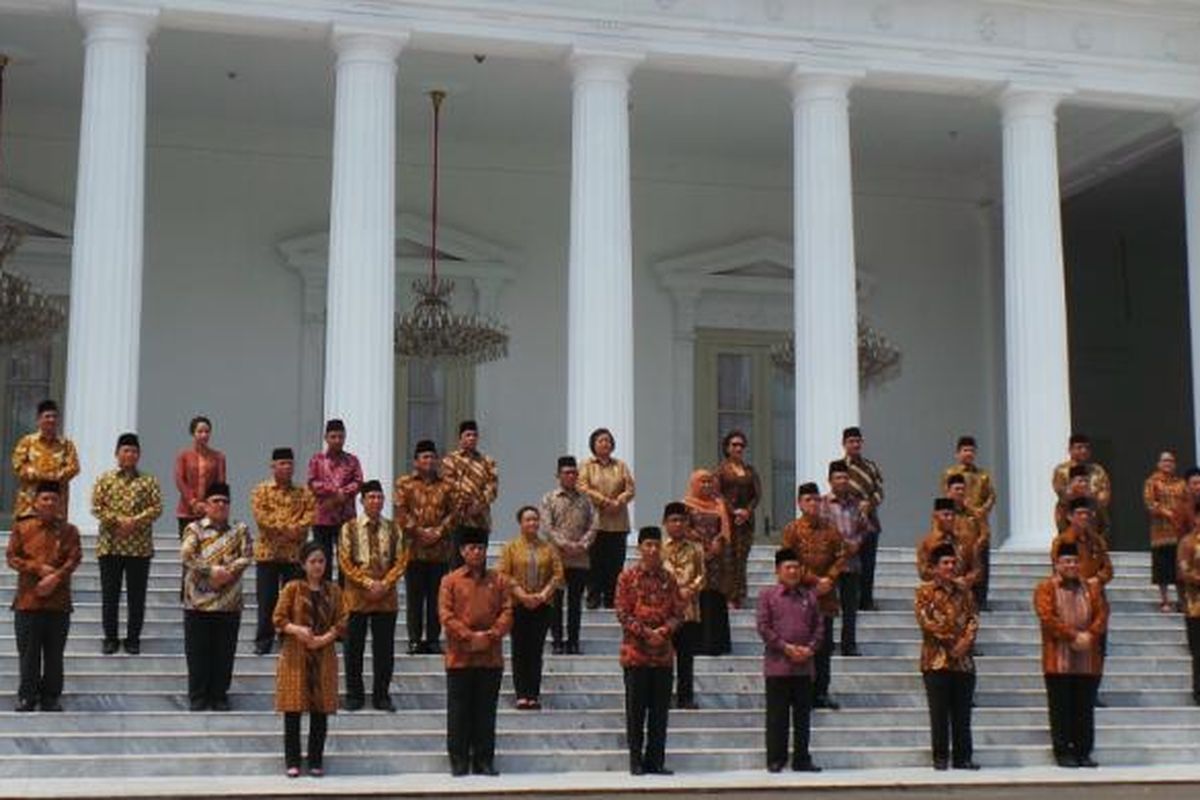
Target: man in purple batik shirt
[{"x": 334, "y": 476}]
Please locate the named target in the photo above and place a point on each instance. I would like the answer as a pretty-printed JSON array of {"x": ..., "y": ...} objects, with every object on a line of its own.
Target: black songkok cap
[
  {"x": 852, "y": 431},
  {"x": 838, "y": 466},
  {"x": 49, "y": 486},
  {"x": 567, "y": 461},
  {"x": 335, "y": 425},
  {"x": 650, "y": 533},
  {"x": 808, "y": 488},
  {"x": 467, "y": 425},
  {"x": 941, "y": 551},
  {"x": 371, "y": 486},
  {"x": 1067, "y": 549},
  {"x": 128, "y": 440},
  {"x": 1079, "y": 438},
  {"x": 673, "y": 508},
  {"x": 1078, "y": 471},
  {"x": 467, "y": 535},
  {"x": 785, "y": 554},
  {"x": 46, "y": 405},
  {"x": 965, "y": 441},
  {"x": 425, "y": 446},
  {"x": 943, "y": 504},
  {"x": 1191, "y": 472},
  {"x": 283, "y": 454},
  {"x": 217, "y": 489},
  {"x": 1079, "y": 502},
  {"x": 956, "y": 478}
]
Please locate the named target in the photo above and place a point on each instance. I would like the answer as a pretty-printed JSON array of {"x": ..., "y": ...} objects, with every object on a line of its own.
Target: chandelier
[
  {"x": 25, "y": 313},
  {"x": 431, "y": 330},
  {"x": 878, "y": 358}
]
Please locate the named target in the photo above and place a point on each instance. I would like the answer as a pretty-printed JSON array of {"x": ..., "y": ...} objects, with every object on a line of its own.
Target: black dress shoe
[
  {"x": 558, "y": 648},
  {"x": 776, "y": 766},
  {"x": 806, "y": 765},
  {"x": 414, "y": 648},
  {"x": 659, "y": 770},
  {"x": 593, "y": 603},
  {"x": 1087, "y": 762},
  {"x": 1100, "y": 703},
  {"x": 635, "y": 766},
  {"x": 383, "y": 704},
  {"x": 941, "y": 764},
  {"x": 110, "y": 646},
  {"x": 198, "y": 705},
  {"x": 967, "y": 765},
  {"x": 354, "y": 703},
  {"x": 51, "y": 705},
  {"x": 824, "y": 701},
  {"x": 484, "y": 768},
  {"x": 433, "y": 648},
  {"x": 262, "y": 648},
  {"x": 132, "y": 647},
  {"x": 458, "y": 769},
  {"x": 851, "y": 651},
  {"x": 688, "y": 705},
  {"x": 1066, "y": 761},
  {"x": 573, "y": 649},
  {"x": 221, "y": 704},
  {"x": 25, "y": 706}
]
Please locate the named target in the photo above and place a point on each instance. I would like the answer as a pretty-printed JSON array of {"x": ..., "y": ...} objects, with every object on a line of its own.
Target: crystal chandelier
[
  {"x": 25, "y": 313},
  {"x": 878, "y": 358},
  {"x": 432, "y": 331}
]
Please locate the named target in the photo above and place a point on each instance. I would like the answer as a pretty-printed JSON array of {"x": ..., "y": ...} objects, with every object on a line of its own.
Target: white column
[
  {"x": 1190, "y": 127},
  {"x": 600, "y": 281},
  {"x": 360, "y": 309},
  {"x": 1035, "y": 315},
  {"x": 106, "y": 263},
  {"x": 825, "y": 309}
]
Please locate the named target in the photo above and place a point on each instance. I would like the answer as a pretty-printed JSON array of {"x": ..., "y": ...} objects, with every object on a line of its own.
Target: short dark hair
[
  {"x": 1079, "y": 438},
  {"x": 310, "y": 547},
  {"x": 521, "y": 511},
  {"x": 965, "y": 441},
  {"x": 195, "y": 423},
  {"x": 47, "y": 405},
  {"x": 728, "y": 438},
  {"x": 596, "y": 434}
]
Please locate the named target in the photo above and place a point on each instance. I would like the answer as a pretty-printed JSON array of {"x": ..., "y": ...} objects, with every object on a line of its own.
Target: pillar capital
[
  {"x": 1030, "y": 101},
  {"x": 807, "y": 83},
  {"x": 357, "y": 44},
  {"x": 608, "y": 65},
  {"x": 107, "y": 20}
]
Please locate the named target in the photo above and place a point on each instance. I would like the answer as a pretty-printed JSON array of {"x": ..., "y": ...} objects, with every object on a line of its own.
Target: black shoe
[
  {"x": 262, "y": 648},
  {"x": 851, "y": 651},
  {"x": 433, "y": 648},
  {"x": 1196, "y": 699},
  {"x": 25, "y": 706},
  {"x": 51, "y": 705},
  {"x": 383, "y": 704},
  {"x": 941, "y": 764},
  {"x": 1067, "y": 761},
  {"x": 806, "y": 765},
  {"x": 133, "y": 647},
  {"x": 824, "y": 701},
  {"x": 776, "y": 766},
  {"x": 967, "y": 765},
  {"x": 458, "y": 768},
  {"x": 484, "y": 768},
  {"x": 414, "y": 648},
  {"x": 1086, "y": 762},
  {"x": 198, "y": 705},
  {"x": 354, "y": 703},
  {"x": 659, "y": 770},
  {"x": 635, "y": 766},
  {"x": 1100, "y": 703},
  {"x": 221, "y": 704},
  {"x": 110, "y": 646},
  {"x": 688, "y": 704},
  {"x": 573, "y": 649},
  {"x": 558, "y": 648}
]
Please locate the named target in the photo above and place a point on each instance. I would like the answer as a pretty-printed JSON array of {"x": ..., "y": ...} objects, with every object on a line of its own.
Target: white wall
[{"x": 221, "y": 324}]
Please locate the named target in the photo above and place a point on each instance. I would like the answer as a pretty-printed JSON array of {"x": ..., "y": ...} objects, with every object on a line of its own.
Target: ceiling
[{"x": 289, "y": 83}]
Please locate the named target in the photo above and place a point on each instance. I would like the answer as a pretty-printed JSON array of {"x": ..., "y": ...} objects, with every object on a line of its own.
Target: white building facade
[{"x": 649, "y": 193}]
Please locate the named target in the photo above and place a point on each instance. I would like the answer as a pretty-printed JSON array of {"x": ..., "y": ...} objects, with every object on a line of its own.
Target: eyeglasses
[{"x": 739, "y": 445}]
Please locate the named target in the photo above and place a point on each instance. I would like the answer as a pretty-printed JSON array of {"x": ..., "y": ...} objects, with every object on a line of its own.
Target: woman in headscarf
[
  {"x": 708, "y": 516},
  {"x": 741, "y": 489},
  {"x": 311, "y": 617}
]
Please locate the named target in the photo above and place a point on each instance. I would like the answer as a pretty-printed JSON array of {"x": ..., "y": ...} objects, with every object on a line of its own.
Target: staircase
[{"x": 126, "y": 715}]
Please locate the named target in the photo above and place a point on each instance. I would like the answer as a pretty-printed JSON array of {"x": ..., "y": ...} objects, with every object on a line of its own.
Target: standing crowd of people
[{"x": 327, "y": 571}]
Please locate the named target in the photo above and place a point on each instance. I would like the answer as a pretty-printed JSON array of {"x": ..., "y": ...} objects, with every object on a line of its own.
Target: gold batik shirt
[
  {"x": 981, "y": 493},
  {"x": 965, "y": 550},
  {"x": 474, "y": 486},
  {"x": 684, "y": 559},
  {"x": 1101, "y": 488},
  {"x": 36, "y": 459},
  {"x": 822, "y": 554},
  {"x": 1188, "y": 570},
  {"x": 611, "y": 481},
  {"x": 206, "y": 546},
  {"x": 531, "y": 565},
  {"x": 371, "y": 550},
  {"x": 1166, "y": 498},
  {"x": 118, "y": 494},
  {"x": 947, "y": 616},
  {"x": 283, "y": 515},
  {"x": 428, "y": 504},
  {"x": 1094, "y": 561}
]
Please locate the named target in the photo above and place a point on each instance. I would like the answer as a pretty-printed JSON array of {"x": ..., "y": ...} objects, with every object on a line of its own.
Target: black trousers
[
  {"x": 980, "y": 589},
  {"x": 1193, "y": 640},
  {"x": 607, "y": 555},
  {"x": 949, "y": 695},
  {"x": 849, "y": 586},
  {"x": 318, "y": 726},
  {"x": 383, "y": 651},
  {"x": 866, "y": 557},
  {"x": 210, "y": 644},
  {"x": 686, "y": 639},
  {"x": 1071, "y": 700},
  {"x": 788, "y": 699},
  {"x": 528, "y": 645},
  {"x": 824, "y": 659},
  {"x": 647, "y": 700},
  {"x": 327, "y": 537},
  {"x": 471, "y": 696},
  {"x": 577, "y": 579},
  {"x": 41, "y": 639},
  {"x": 421, "y": 582},
  {"x": 269, "y": 576},
  {"x": 714, "y": 634},
  {"x": 136, "y": 575}
]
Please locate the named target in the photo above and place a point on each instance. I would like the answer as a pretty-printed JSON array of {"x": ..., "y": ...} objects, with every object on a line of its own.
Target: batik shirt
[
  {"x": 684, "y": 559},
  {"x": 283, "y": 515},
  {"x": 119, "y": 494},
  {"x": 1166, "y": 499},
  {"x": 474, "y": 486},
  {"x": 647, "y": 599},
  {"x": 822, "y": 554},
  {"x": 206, "y": 546},
  {"x": 422, "y": 503},
  {"x": 568, "y": 518},
  {"x": 946, "y": 614},
  {"x": 327, "y": 474},
  {"x": 37, "y": 459}
]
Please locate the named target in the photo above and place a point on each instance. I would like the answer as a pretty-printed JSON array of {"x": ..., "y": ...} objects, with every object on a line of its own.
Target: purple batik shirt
[
  {"x": 327, "y": 473},
  {"x": 788, "y": 616}
]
